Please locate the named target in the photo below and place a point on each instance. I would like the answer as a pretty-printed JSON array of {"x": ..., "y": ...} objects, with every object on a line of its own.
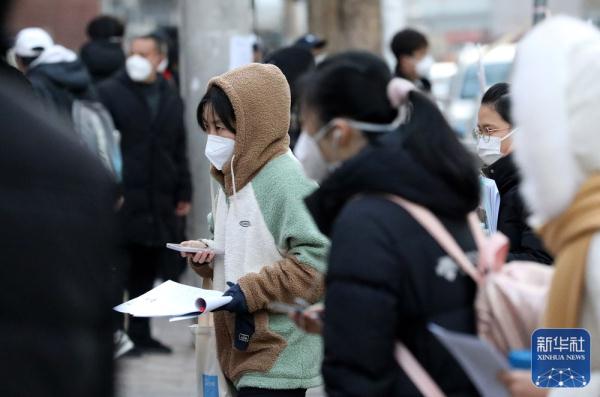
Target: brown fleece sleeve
[
  {"x": 203, "y": 270},
  {"x": 282, "y": 282}
]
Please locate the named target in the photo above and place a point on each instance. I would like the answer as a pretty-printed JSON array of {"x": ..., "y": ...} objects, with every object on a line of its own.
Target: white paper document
[
  {"x": 240, "y": 50},
  {"x": 490, "y": 203},
  {"x": 174, "y": 300},
  {"x": 480, "y": 361}
]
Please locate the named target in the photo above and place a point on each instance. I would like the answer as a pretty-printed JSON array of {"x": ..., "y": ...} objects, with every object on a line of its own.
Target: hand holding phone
[
  {"x": 308, "y": 318},
  {"x": 196, "y": 251}
]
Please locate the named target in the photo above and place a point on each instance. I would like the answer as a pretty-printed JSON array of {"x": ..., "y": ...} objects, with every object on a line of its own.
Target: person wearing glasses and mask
[{"x": 494, "y": 135}]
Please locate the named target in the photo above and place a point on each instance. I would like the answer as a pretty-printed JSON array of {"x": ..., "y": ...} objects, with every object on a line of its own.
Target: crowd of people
[{"x": 326, "y": 168}]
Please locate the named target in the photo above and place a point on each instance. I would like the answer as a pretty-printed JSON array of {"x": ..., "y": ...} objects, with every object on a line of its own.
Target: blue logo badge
[{"x": 560, "y": 358}]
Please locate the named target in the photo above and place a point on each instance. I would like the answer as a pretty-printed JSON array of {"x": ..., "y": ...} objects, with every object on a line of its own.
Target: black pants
[
  {"x": 144, "y": 263},
  {"x": 255, "y": 392}
]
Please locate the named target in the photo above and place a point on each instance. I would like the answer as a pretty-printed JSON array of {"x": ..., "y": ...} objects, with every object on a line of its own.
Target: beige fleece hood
[{"x": 260, "y": 96}]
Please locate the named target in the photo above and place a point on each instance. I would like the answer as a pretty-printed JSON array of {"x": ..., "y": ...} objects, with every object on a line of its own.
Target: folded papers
[{"x": 171, "y": 299}]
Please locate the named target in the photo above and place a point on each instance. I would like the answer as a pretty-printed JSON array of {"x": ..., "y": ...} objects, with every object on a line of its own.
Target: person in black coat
[
  {"x": 57, "y": 228},
  {"x": 411, "y": 47},
  {"x": 494, "y": 145},
  {"x": 103, "y": 54},
  {"x": 156, "y": 179},
  {"x": 387, "y": 277}
]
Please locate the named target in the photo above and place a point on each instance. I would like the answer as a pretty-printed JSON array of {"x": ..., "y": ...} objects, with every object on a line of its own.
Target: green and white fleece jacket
[{"x": 274, "y": 250}]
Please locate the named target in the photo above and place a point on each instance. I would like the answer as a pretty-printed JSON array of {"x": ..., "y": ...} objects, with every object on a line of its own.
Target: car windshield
[{"x": 494, "y": 73}]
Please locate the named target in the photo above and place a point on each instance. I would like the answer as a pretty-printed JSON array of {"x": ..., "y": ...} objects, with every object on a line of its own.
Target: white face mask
[
  {"x": 162, "y": 66},
  {"x": 423, "y": 67},
  {"x": 138, "y": 68},
  {"x": 219, "y": 150},
  {"x": 308, "y": 153},
  {"x": 488, "y": 148}
]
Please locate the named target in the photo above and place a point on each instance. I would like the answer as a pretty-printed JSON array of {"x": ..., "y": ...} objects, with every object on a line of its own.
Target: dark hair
[
  {"x": 498, "y": 97},
  {"x": 220, "y": 104},
  {"x": 406, "y": 42},
  {"x": 351, "y": 84},
  {"x": 293, "y": 63},
  {"x": 105, "y": 27},
  {"x": 433, "y": 143},
  {"x": 161, "y": 44},
  {"x": 170, "y": 36}
]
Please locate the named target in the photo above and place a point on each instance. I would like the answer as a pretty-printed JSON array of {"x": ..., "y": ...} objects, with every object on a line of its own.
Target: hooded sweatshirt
[
  {"x": 58, "y": 77},
  {"x": 272, "y": 246}
]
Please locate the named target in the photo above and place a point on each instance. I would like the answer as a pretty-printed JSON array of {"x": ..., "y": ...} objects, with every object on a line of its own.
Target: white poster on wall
[{"x": 240, "y": 50}]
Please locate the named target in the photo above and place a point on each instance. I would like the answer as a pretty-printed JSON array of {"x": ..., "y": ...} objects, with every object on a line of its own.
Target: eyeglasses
[{"x": 487, "y": 133}]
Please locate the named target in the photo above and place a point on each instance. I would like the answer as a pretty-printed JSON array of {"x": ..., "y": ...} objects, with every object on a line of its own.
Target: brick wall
[{"x": 66, "y": 20}]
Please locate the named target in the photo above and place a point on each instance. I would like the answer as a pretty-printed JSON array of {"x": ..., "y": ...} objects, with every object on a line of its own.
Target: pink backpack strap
[
  {"x": 416, "y": 373},
  {"x": 437, "y": 230}
]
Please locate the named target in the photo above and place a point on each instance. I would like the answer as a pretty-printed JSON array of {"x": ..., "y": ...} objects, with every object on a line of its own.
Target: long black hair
[
  {"x": 220, "y": 104},
  {"x": 498, "y": 97},
  {"x": 351, "y": 84},
  {"x": 431, "y": 141}
]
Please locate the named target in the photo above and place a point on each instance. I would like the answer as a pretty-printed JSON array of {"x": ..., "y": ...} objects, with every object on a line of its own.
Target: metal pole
[{"x": 540, "y": 8}]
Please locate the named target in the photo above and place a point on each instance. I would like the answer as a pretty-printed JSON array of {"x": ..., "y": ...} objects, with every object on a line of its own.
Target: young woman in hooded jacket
[
  {"x": 273, "y": 251},
  {"x": 387, "y": 277}
]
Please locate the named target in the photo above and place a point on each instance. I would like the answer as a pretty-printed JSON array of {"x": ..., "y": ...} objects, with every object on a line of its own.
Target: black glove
[
  {"x": 244, "y": 321},
  {"x": 244, "y": 329},
  {"x": 238, "y": 301}
]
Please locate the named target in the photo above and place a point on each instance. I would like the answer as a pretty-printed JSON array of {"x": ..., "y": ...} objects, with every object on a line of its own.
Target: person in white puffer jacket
[{"x": 556, "y": 97}]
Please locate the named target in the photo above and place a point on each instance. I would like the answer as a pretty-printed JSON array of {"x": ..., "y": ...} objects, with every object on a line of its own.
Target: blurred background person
[
  {"x": 169, "y": 67},
  {"x": 258, "y": 51},
  {"x": 103, "y": 54},
  {"x": 29, "y": 45},
  {"x": 57, "y": 234},
  {"x": 557, "y": 145},
  {"x": 293, "y": 62},
  {"x": 413, "y": 61},
  {"x": 156, "y": 180},
  {"x": 494, "y": 133},
  {"x": 56, "y": 73},
  {"x": 314, "y": 44},
  {"x": 355, "y": 129},
  {"x": 10, "y": 71}
]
